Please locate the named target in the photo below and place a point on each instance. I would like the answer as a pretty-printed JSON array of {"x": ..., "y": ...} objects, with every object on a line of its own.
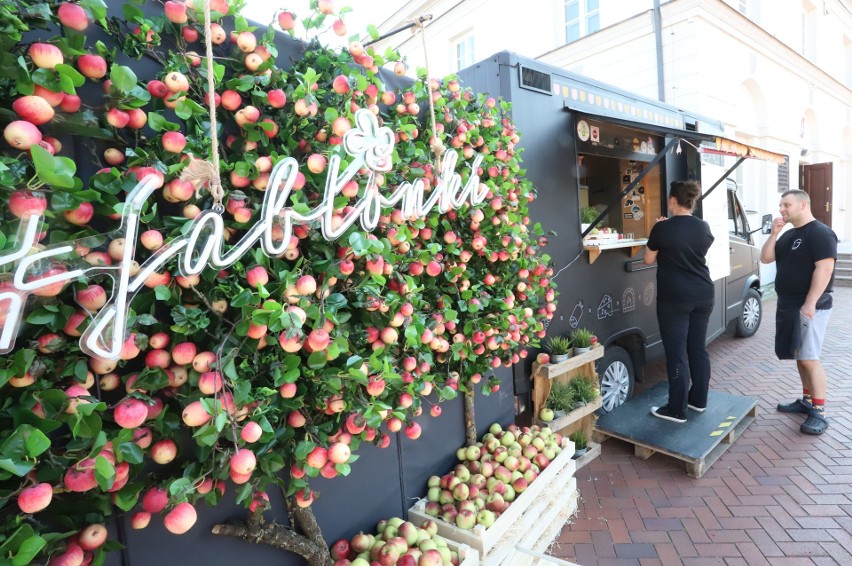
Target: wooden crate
[
  {"x": 528, "y": 557},
  {"x": 467, "y": 555},
  {"x": 539, "y": 526},
  {"x": 553, "y": 486}
]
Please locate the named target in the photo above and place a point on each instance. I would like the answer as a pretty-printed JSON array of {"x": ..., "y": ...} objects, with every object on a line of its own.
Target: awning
[{"x": 725, "y": 146}]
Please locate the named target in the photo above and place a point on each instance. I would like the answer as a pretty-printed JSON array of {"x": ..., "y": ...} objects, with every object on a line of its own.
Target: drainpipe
[{"x": 658, "y": 39}]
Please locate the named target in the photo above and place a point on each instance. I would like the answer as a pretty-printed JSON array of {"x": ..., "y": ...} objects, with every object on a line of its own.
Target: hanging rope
[
  {"x": 198, "y": 170},
  {"x": 435, "y": 142}
]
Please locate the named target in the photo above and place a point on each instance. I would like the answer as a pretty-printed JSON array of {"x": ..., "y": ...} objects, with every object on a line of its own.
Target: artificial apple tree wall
[{"x": 233, "y": 382}]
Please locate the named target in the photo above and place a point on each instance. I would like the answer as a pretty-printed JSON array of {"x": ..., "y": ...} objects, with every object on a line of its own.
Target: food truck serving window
[{"x": 610, "y": 158}]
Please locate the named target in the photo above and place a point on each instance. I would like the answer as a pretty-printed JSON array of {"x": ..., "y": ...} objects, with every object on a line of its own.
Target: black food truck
[{"x": 601, "y": 155}]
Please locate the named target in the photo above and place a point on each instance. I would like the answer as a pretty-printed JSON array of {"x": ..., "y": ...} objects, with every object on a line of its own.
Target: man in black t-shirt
[{"x": 804, "y": 258}]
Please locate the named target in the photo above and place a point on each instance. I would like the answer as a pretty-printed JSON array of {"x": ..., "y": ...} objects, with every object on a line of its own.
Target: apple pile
[
  {"x": 491, "y": 474},
  {"x": 273, "y": 371},
  {"x": 396, "y": 543}
]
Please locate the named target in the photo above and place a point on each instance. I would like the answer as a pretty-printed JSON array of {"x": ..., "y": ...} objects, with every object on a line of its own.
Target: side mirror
[{"x": 766, "y": 224}]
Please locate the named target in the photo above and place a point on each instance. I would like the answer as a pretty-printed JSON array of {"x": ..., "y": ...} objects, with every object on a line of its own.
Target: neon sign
[{"x": 202, "y": 244}]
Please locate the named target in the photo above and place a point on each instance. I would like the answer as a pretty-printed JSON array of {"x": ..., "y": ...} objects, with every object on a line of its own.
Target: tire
[
  {"x": 615, "y": 372},
  {"x": 752, "y": 312}
]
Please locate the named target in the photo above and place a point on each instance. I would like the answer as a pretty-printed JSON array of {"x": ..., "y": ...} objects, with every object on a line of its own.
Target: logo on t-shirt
[{"x": 796, "y": 243}]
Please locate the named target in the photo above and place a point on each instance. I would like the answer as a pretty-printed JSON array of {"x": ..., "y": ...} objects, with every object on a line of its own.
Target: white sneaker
[{"x": 698, "y": 409}]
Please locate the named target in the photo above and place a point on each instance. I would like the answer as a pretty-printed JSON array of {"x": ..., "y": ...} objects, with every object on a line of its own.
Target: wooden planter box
[
  {"x": 551, "y": 495},
  {"x": 594, "y": 450},
  {"x": 582, "y": 418}
]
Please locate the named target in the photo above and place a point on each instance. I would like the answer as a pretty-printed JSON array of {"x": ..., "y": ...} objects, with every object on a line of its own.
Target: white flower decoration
[{"x": 369, "y": 142}]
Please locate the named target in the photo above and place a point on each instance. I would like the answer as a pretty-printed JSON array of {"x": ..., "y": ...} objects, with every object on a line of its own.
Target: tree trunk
[
  {"x": 311, "y": 545},
  {"x": 469, "y": 418}
]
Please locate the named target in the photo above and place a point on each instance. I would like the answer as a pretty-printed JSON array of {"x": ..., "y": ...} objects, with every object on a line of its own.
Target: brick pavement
[{"x": 775, "y": 497}]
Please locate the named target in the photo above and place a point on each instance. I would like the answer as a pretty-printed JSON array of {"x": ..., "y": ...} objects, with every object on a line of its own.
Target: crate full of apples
[
  {"x": 402, "y": 543},
  {"x": 494, "y": 483}
]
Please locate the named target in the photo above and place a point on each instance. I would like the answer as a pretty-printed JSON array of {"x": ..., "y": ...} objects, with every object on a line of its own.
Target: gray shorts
[{"x": 811, "y": 334}]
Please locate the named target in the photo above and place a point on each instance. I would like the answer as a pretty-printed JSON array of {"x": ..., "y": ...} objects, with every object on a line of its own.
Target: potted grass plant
[
  {"x": 583, "y": 389},
  {"x": 559, "y": 348},
  {"x": 581, "y": 338},
  {"x": 581, "y": 443}
]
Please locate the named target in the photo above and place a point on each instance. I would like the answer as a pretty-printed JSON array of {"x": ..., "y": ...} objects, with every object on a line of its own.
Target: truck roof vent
[{"x": 534, "y": 80}]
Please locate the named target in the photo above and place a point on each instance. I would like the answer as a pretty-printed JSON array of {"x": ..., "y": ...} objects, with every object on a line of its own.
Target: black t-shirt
[
  {"x": 796, "y": 253},
  {"x": 682, "y": 273}
]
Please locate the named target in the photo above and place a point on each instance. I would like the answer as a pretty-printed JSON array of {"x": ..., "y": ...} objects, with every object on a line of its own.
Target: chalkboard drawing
[
  {"x": 628, "y": 300},
  {"x": 576, "y": 315},
  {"x": 605, "y": 307},
  {"x": 648, "y": 295}
]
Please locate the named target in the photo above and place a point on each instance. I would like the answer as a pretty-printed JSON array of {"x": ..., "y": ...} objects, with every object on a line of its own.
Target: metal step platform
[{"x": 698, "y": 443}]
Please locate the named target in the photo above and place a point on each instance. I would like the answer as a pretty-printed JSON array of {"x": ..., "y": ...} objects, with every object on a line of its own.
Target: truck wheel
[
  {"x": 749, "y": 319},
  {"x": 615, "y": 371}
]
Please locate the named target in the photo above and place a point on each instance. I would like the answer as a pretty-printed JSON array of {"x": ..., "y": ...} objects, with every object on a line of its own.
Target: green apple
[{"x": 546, "y": 414}]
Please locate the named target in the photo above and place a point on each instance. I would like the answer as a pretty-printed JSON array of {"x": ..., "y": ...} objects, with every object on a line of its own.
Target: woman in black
[{"x": 679, "y": 245}]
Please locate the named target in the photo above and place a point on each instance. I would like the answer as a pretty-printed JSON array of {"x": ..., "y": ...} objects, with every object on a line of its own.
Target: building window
[
  {"x": 464, "y": 52},
  {"x": 582, "y": 17}
]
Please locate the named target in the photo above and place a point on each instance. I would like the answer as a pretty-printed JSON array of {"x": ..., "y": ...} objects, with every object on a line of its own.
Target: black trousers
[{"x": 683, "y": 329}]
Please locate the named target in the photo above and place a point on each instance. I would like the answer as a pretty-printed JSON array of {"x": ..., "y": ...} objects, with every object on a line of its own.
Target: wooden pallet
[{"x": 698, "y": 443}]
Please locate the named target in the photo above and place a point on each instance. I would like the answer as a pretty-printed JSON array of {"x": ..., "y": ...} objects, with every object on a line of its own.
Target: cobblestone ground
[{"x": 775, "y": 497}]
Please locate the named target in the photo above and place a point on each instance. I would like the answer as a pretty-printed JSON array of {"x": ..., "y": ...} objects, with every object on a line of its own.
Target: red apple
[
  {"x": 92, "y": 537},
  {"x": 22, "y": 134},
  {"x": 33, "y": 109},
  {"x": 164, "y": 451},
  {"x": 251, "y": 432},
  {"x": 70, "y": 103},
  {"x": 243, "y": 461},
  {"x": 81, "y": 215},
  {"x": 27, "y": 203},
  {"x": 195, "y": 414},
  {"x": 286, "y": 20},
  {"x": 35, "y": 498},
  {"x": 130, "y": 413},
  {"x": 157, "y": 89},
  {"x": 92, "y": 66},
  {"x": 175, "y": 12},
  {"x": 45, "y": 55},
  {"x": 180, "y": 519},
  {"x": 73, "y": 16}
]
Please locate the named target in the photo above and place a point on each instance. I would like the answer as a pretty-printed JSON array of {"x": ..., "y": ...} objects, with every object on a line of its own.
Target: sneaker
[
  {"x": 697, "y": 409},
  {"x": 666, "y": 413},
  {"x": 797, "y": 406}
]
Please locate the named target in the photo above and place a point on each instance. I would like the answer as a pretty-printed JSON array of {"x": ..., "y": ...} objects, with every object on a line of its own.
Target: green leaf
[
  {"x": 72, "y": 74},
  {"x": 36, "y": 443},
  {"x": 28, "y": 550},
  {"x": 131, "y": 453},
  {"x": 104, "y": 473},
  {"x": 317, "y": 360},
  {"x": 162, "y": 293},
  {"x": 123, "y": 78},
  {"x": 126, "y": 498},
  {"x": 96, "y": 7},
  {"x": 16, "y": 467},
  {"x": 158, "y": 123},
  {"x": 180, "y": 487}
]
